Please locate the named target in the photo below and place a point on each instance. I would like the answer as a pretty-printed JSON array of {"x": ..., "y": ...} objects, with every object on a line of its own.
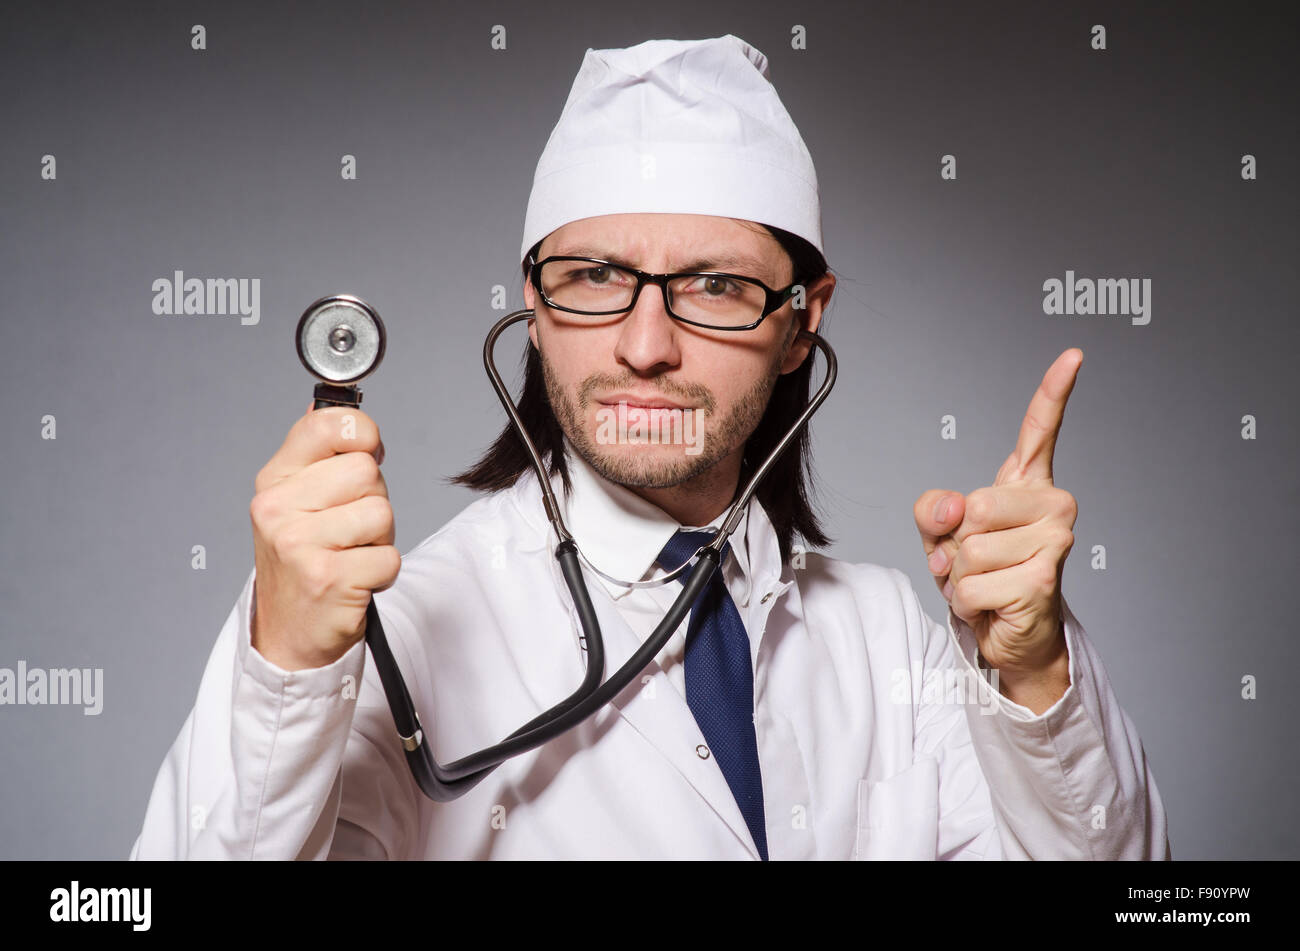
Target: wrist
[{"x": 1039, "y": 688}]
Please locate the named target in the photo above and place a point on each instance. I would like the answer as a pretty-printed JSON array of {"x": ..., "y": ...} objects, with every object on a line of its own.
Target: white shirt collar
[{"x": 621, "y": 533}]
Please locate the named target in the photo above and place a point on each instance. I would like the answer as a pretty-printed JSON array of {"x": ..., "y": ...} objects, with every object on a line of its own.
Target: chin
[{"x": 646, "y": 466}]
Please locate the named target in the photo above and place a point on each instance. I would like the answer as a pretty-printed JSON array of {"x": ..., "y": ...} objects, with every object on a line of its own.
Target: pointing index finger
[{"x": 1042, "y": 424}]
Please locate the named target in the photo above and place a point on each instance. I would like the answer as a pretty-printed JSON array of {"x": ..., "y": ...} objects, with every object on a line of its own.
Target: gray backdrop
[{"x": 225, "y": 162}]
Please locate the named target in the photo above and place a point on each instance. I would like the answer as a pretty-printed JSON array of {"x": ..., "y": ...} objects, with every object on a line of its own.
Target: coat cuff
[
  {"x": 316, "y": 683},
  {"x": 1053, "y": 777},
  {"x": 991, "y": 698},
  {"x": 288, "y": 732}
]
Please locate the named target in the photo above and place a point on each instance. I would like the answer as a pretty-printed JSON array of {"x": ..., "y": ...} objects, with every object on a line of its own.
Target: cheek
[
  {"x": 574, "y": 356},
  {"x": 732, "y": 374},
  {"x": 728, "y": 396}
]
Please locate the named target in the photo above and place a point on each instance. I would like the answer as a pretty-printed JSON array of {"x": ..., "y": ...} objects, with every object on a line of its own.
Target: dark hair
[{"x": 785, "y": 492}]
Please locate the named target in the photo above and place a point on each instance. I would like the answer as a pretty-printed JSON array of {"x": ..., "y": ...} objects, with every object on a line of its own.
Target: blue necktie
[{"x": 720, "y": 682}]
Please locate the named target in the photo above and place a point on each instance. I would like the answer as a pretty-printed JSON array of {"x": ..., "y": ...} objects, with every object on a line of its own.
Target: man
[{"x": 795, "y": 715}]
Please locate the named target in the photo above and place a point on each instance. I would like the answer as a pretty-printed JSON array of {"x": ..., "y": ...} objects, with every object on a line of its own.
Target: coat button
[
  {"x": 767, "y": 597},
  {"x": 702, "y": 751}
]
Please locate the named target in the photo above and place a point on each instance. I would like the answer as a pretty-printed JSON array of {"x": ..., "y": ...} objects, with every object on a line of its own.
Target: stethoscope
[{"x": 341, "y": 341}]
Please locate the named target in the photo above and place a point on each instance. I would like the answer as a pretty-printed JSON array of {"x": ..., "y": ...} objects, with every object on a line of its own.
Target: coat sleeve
[
  {"x": 1070, "y": 783},
  {"x": 258, "y": 769}
]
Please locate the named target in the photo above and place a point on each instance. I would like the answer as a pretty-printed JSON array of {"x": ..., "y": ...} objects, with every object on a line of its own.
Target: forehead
[{"x": 674, "y": 241}]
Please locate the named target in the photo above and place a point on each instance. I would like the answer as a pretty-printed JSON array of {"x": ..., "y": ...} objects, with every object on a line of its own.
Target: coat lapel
[
  {"x": 661, "y": 715},
  {"x": 654, "y": 709}
]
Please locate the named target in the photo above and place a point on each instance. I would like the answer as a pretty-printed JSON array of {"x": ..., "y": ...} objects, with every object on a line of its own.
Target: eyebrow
[{"x": 714, "y": 262}]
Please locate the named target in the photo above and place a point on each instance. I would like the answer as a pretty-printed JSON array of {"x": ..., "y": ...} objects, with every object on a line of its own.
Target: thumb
[{"x": 938, "y": 512}]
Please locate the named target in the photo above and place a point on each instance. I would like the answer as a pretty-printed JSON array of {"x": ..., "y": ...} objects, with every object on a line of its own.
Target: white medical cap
[{"x": 683, "y": 126}]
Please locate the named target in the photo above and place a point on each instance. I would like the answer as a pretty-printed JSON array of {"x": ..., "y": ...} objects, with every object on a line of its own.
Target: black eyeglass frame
[{"x": 775, "y": 299}]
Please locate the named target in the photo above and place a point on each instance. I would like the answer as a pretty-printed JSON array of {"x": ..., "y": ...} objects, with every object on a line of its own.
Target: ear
[
  {"x": 530, "y": 302},
  {"x": 816, "y": 297}
]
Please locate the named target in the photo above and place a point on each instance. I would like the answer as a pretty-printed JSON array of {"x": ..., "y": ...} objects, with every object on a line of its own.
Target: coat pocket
[{"x": 898, "y": 817}]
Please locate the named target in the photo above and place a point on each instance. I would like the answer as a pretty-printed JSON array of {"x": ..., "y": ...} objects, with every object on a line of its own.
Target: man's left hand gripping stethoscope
[{"x": 341, "y": 341}]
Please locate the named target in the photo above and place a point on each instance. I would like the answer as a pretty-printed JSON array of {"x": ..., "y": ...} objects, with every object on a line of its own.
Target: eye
[
  {"x": 710, "y": 285},
  {"x": 600, "y": 275}
]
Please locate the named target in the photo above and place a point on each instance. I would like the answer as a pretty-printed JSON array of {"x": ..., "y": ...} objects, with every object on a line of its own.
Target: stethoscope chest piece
[{"x": 340, "y": 341}]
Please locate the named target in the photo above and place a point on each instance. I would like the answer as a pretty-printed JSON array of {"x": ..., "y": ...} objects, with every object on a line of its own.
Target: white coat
[{"x": 867, "y": 747}]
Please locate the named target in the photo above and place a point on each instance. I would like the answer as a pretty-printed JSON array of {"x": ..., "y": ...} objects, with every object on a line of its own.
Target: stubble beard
[{"x": 639, "y": 470}]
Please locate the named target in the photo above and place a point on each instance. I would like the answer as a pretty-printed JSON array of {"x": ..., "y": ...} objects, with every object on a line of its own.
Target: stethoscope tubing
[{"x": 446, "y": 782}]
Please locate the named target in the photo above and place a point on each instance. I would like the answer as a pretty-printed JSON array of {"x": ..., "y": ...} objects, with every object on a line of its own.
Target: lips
[{"x": 641, "y": 402}]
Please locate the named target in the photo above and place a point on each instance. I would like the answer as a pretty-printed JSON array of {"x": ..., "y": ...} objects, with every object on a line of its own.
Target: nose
[{"x": 647, "y": 341}]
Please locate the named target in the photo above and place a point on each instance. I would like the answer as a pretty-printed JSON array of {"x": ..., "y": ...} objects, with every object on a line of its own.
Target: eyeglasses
[{"x": 713, "y": 299}]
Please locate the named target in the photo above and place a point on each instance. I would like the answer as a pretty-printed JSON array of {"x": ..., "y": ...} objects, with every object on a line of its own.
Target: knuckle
[
  {"x": 367, "y": 429},
  {"x": 358, "y": 429},
  {"x": 394, "y": 561},
  {"x": 263, "y": 508},
  {"x": 1069, "y": 507},
  {"x": 980, "y": 505},
  {"x": 288, "y": 539},
  {"x": 388, "y": 562},
  {"x": 320, "y": 426},
  {"x": 317, "y": 574},
  {"x": 372, "y": 514},
  {"x": 362, "y": 466},
  {"x": 383, "y": 511}
]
